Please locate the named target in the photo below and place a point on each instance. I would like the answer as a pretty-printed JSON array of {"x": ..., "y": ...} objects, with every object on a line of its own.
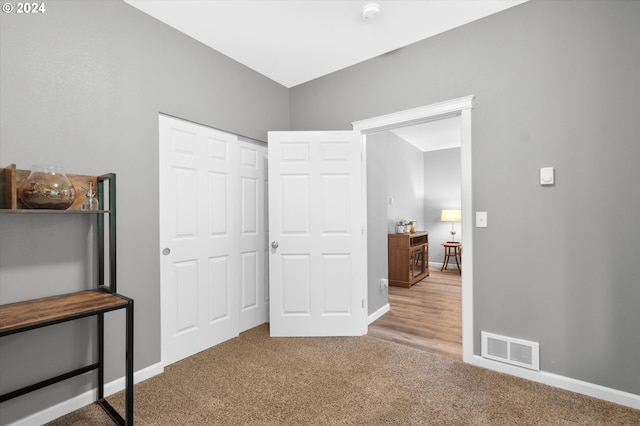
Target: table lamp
[{"x": 451, "y": 216}]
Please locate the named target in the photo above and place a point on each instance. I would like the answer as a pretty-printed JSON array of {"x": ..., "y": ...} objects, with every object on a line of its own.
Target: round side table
[{"x": 452, "y": 249}]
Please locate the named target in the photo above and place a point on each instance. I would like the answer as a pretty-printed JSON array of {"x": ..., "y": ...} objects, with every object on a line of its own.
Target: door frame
[{"x": 455, "y": 107}]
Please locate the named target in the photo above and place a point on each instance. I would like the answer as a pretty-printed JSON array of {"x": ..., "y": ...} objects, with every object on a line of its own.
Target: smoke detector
[{"x": 370, "y": 12}]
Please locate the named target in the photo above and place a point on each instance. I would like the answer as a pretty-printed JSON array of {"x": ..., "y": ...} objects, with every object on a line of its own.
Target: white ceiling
[
  {"x": 433, "y": 135},
  {"x": 295, "y": 41}
]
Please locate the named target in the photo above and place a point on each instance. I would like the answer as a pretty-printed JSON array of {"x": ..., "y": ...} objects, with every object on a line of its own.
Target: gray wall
[
  {"x": 405, "y": 180},
  {"x": 555, "y": 85},
  {"x": 82, "y": 86},
  {"x": 442, "y": 190},
  {"x": 377, "y": 265}
]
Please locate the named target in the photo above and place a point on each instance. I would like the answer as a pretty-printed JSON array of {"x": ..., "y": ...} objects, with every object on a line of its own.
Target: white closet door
[
  {"x": 199, "y": 223},
  {"x": 254, "y": 299}
]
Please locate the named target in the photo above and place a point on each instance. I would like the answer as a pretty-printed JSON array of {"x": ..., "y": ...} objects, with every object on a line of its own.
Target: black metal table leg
[{"x": 129, "y": 367}]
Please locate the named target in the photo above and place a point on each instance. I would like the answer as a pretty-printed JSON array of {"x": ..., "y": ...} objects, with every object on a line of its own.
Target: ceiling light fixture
[{"x": 370, "y": 12}]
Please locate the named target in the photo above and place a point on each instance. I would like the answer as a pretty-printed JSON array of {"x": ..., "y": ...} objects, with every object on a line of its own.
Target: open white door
[{"x": 315, "y": 226}]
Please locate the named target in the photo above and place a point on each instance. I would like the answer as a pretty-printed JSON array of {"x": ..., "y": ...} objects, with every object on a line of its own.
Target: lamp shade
[{"x": 451, "y": 216}]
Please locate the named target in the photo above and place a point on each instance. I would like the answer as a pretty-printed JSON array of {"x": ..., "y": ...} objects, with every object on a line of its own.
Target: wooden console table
[{"x": 408, "y": 258}]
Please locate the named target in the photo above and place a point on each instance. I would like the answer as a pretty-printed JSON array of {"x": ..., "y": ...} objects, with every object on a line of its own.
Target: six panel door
[
  {"x": 315, "y": 222},
  {"x": 199, "y": 227}
]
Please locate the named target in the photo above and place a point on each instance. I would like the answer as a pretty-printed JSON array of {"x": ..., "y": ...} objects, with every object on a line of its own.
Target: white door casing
[
  {"x": 315, "y": 222},
  {"x": 198, "y": 236}
]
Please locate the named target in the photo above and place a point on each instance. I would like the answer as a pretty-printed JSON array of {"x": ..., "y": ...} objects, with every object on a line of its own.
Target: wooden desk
[{"x": 408, "y": 258}]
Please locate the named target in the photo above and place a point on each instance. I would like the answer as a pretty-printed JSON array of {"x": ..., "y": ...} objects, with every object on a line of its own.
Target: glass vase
[{"x": 47, "y": 187}]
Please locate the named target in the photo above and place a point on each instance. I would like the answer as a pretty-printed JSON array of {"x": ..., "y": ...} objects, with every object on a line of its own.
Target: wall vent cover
[{"x": 511, "y": 350}]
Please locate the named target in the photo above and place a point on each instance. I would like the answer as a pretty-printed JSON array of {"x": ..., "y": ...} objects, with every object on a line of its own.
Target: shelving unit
[
  {"x": 36, "y": 313},
  {"x": 408, "y": 258}
]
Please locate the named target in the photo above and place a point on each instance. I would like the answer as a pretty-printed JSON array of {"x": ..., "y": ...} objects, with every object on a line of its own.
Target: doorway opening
[
  {"x": 422, "y": 179},
  {"x": 377, "y": 302}
]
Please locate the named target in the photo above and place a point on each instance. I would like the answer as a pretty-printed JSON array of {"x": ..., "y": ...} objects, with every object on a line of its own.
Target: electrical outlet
[{"x": 384, "y": 283}]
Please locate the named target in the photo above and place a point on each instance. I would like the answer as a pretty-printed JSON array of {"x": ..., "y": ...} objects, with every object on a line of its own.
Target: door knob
[
  {"x": 274, "y": 245},
  {"x": 166, "y": 251}
]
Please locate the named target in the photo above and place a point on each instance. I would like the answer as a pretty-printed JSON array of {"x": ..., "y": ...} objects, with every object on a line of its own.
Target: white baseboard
[
  {"x": 70, "y": 405},
  {"x": 567, "y": 383},
  {"x": 380, "y": 312},
  {"x": 597, "y": 391}
]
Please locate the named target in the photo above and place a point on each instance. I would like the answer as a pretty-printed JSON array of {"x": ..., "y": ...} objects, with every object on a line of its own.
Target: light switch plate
[
  {"x": 481, "y": 219},
  {"x": 547, "y": 176}
]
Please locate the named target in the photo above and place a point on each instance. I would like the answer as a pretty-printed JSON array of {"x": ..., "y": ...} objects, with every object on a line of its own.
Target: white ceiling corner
[{"x": 295, "y": 41}]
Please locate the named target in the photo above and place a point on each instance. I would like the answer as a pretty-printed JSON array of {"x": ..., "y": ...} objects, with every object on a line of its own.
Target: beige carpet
[{"x": 258, "y": 380}]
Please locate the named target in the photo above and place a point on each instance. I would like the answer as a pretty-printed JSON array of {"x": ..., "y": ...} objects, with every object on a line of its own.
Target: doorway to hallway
[
  {"x": 417, "y": 169},
  {"x": 377, "y": 253}
]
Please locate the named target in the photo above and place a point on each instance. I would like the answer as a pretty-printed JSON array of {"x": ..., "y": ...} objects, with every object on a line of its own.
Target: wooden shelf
[
  {"x": 47, "y": 211},
  {"x": 34, "y": 313},
  {"x": 11, "y": 180}
]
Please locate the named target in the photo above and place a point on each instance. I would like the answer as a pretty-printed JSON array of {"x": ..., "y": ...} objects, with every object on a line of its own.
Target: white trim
[
  {"x": 440, "y": 264},
  {"x": 418, "y": 115},
  {"x": 380, "y": 312},
  {"x": 597, "y": 391},
  {"x": 86, "y": 398},
  {"x": 462, "y": 107},
  {"x": 365, "y": 240},
  {"x": 466, "y": 181}
]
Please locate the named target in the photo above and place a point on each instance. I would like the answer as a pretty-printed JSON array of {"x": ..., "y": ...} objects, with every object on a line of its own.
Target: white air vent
[{"x": 510, "y": 350}]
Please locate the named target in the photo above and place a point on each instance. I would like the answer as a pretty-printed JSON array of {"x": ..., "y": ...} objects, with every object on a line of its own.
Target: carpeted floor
[{"x": 258, "y": 380}]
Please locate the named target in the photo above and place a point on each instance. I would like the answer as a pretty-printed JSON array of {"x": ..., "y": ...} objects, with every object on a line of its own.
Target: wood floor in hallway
[{"x": 427, "y": 316}]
